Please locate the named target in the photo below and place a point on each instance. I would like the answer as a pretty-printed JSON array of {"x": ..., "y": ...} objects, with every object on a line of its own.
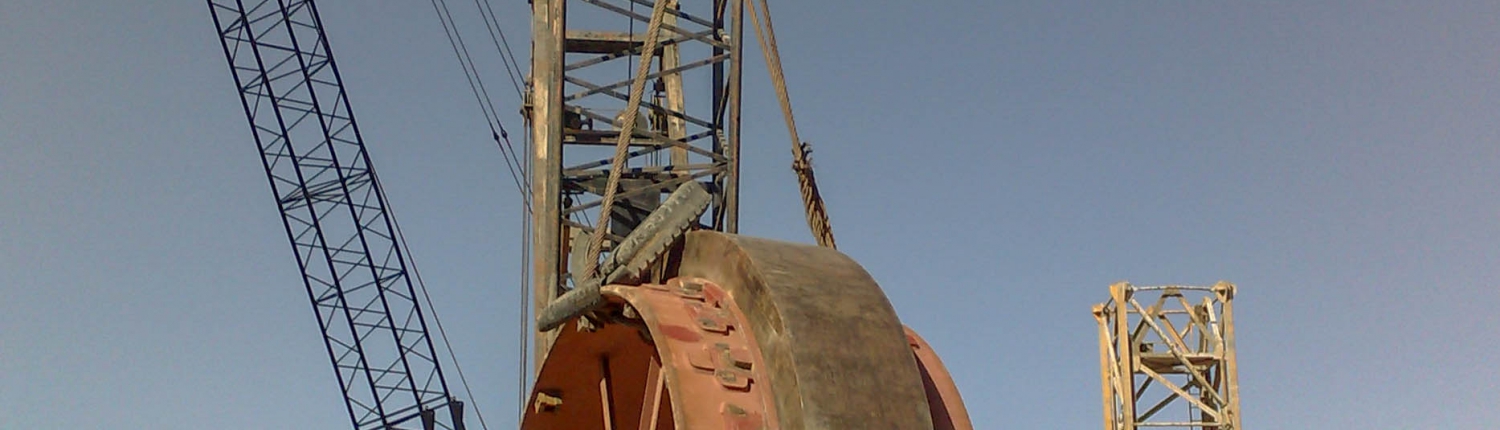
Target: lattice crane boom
[
  {"x": 684, "y": 324},
  {"x": 335, "y": 216}
]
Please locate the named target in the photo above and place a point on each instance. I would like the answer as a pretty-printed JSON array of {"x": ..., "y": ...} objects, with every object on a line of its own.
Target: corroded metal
[
  {"x": 748, "y": 334},
  {"x": 711, "y": 361},
  {"x": 943, "y": 400},
  {"x": 588, "y": 373},
  {"x": 837, "y": 355},
  {"x": 544, "y": 115},
  {"x": 586, "y": 55},
  {"x": 644, "y": 247},
  {"x": 680, "y": 356}
]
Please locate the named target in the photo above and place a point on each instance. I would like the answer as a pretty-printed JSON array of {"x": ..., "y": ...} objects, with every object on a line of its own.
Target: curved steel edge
[
  {"x": 836, "y": 353},
  {"x": 680, "y": 357},
  {"x": 948, "y": 411}
]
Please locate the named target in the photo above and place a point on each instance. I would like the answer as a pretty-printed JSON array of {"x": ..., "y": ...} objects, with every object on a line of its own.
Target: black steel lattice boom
[{"x": 335, "y": 215}]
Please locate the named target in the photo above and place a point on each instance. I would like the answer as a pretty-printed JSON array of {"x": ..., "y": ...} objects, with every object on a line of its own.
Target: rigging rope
[
  {"x": 481, "y": 94},
  {"x": 812, "y": 201},
  {"x": 505, "y": 43},
  {"x": 523, "y": 332},
  {"x": 518, "y": 166},
  {"x": 411, "y": 263},
  {"x": 622, "y": 144},
  {"x": 493, "y": 26}
]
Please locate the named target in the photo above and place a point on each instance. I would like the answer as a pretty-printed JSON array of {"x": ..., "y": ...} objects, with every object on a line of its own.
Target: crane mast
[
  {"x": 585, "y": 63},
  {"x": 653, "y": 313},
  {"x": 347, "y": 246}
]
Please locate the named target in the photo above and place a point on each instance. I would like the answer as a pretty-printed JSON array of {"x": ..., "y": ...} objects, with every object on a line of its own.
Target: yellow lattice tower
[{"x": 1170, "y": 364}]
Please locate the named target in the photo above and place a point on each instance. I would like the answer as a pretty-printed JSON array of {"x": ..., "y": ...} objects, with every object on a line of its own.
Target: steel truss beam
[
  {"x": 584, "y": 57},
  {"x": 1170, "y": 364},
  {"x": 334, "y": 214}
]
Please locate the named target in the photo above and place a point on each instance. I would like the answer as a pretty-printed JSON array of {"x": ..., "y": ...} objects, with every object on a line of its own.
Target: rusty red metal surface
[
  {"x": 948, "y": 412},
  {"x": 709, "y": 358},
  {"x": 750, "y": 334},
  {"x": 683, "y": 358}
]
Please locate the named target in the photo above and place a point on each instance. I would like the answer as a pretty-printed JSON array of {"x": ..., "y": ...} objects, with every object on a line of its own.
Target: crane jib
[{"x": 346, "y": 243}]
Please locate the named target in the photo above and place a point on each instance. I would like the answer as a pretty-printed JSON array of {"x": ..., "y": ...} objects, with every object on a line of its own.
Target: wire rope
[
  {"x": 411, "y": 263},
  {"x": 519, "y": 167}
]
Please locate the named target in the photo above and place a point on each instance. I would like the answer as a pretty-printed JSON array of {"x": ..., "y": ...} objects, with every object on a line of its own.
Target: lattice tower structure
[
  {"x": 586, "y": 59},
  {"x": 348, "y": 247},
  {"x": 1167, "y": 357}
]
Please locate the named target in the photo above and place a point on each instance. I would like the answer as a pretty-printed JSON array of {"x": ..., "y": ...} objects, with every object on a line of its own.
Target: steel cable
[
  {"x": 622, "y": 144},
  {"x": 492, "y": 25},
  {"x": 807, "y": 184},
  {"x": 431, "y": 310},
  {"x": 513, "y": 162},
  {"x": 481, "y": 95}
]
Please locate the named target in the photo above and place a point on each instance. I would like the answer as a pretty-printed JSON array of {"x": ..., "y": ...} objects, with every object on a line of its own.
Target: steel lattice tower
[
  {"x": 1171, "y": 362},
  {"x": 345, "y": 241},
  {"x": 583, "y": 62}
]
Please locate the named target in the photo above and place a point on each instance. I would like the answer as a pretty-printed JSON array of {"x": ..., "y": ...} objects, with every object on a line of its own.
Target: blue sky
[{"x": 994, "y": 165}]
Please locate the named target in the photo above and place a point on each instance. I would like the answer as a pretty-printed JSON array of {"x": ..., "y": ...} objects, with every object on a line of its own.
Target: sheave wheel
[{"x": 750, "y": 334}]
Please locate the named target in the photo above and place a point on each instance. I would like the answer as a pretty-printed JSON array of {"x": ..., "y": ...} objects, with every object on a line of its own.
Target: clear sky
[{"x": 995, "y": 165}]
